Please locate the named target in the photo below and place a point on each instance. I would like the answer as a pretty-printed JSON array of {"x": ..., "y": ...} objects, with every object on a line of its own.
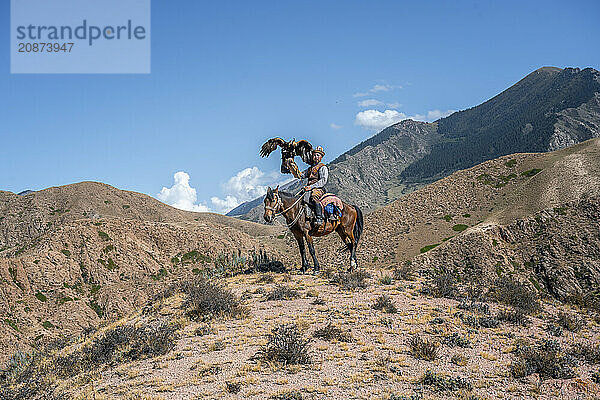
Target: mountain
[
  {"x": 77, "y": 256},
  {"x": 549, "y": 109},
  {"x": 421, "y": 318},
  {"x": 534, "y": 215}
]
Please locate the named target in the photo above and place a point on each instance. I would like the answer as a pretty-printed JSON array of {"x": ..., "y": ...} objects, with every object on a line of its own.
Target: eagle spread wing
[
  {"x": 270, "y": 145},
  {"x": 304, "y": 150}
]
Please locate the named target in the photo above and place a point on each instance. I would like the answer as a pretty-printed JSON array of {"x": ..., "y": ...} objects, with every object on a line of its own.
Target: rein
[{"x": 286, "y": 210}]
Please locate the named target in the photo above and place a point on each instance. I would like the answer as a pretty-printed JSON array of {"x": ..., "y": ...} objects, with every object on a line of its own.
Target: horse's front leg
[
  {"x": 300, "y": 239},
  {"x": 311, "y": 248}
]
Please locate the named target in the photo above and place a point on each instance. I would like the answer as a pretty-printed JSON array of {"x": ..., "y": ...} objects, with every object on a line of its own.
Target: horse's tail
[{"x": 358, "y": 226}]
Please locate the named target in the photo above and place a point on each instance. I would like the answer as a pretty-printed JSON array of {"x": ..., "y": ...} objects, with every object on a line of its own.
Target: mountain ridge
[{"x": 548, "y": 109}]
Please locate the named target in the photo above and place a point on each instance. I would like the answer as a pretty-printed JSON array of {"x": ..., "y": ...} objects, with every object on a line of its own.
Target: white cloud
[
  {"x": 370, "y": 103},
  {"x": 394, "y": 105},
  {"x": 377, "y": 120},
  {"x": 333, "y": 125},
  {"x": 381, "y": 88},
  {"x": 437, "y": 114},
  {"x": 377, "y": 88},
  {"x": 246, "y": 185},
  {"x": 181, "y": 195}
]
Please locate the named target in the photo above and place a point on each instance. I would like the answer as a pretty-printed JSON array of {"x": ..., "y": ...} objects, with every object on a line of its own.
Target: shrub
[
  {"x": 513, "y": 315},
  {"x": 531, "y": 172},
  {"x": 351, "y": 280},
  {"x": 481, "y": 308},
  {"x": 384, "y": 303},
  {"x": 488, "y": 322},
  {"x": 282, "y": 292},
  {"x": 288, "y": 395},
  {"x": 587, "y": 352},
  {"x": 456, "y": 340},
  {"x": 422, "y": 348},
  {"x": 104, "y": 236},
  {"x": 122, "y": 343},
  {"x": 206, "y": 300},
  {"x": 443, "y": 285},
  {"x": 405, "y": 272},
  {"x": 459, "y": 227},
  {"x": 513, "y": 293},
  {"x": 570, "y": 322},
  {"x": 41, "y": 297},
  {"x": 330, "y": 332},
  {"x": 440, "y": 382},
  {"x": 233, "y": 387},
  {"x": 544, "y": 358},
  {"x": 425, "y": 249},
  {"x": 266, "y": 278},
  {"x": 459, "y": 359},
  {"x": 554, "y": 330},
  {"x": 386, "y": 280},
  {"x": 285, "y": 345}
]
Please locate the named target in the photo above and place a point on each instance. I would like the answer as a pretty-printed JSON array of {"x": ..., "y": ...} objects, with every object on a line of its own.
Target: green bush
[
  {"x": 425, "y": 249},
  {"x": 459, "y": 227},
  {"x": 41, "y": 297},
  {"x": 531, "y": 172},
  {"x": 104, "y": 236}
]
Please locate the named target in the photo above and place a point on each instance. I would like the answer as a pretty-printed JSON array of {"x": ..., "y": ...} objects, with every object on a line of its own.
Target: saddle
[
  {"x": 332, "y": 206},
  {"x": 332, "y": 209}
]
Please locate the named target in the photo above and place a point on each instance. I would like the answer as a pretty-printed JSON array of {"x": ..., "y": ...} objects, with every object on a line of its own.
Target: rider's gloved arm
[{"x": 323, "y": 176}]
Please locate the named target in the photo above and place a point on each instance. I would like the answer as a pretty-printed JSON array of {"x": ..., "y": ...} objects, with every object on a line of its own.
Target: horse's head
[{"x": 272, "y": 204}]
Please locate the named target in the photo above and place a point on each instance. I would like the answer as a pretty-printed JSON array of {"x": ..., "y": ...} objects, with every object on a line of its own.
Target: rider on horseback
[{"x": 317, "y": 176}]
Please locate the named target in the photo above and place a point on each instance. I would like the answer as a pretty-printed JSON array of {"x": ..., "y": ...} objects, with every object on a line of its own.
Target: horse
[{"x": 349, "y": 226}]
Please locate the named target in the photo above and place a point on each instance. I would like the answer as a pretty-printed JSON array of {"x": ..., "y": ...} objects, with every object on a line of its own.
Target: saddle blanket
[{"x": 330, "y": 198}]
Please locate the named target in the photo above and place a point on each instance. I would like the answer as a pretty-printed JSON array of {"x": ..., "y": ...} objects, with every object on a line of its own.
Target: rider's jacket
[{"x": 317, "y": 175}]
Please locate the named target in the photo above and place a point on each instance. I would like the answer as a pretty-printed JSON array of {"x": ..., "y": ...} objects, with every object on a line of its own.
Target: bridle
[{"x": 279, "y": 203}]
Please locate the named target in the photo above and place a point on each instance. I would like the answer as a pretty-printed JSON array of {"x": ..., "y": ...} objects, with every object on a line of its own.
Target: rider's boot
[{"x": 319, "y": 213}]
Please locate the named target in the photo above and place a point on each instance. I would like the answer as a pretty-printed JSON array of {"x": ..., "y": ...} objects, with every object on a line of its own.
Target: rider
[{"x": 317, "y": 176}]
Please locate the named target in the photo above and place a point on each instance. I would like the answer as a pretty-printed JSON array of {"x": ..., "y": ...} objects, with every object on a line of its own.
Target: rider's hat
[{"x": 319, "y": 150}]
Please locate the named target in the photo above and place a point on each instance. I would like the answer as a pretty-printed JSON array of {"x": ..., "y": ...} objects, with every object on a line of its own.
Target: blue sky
[{"x": 228, "y": 75}]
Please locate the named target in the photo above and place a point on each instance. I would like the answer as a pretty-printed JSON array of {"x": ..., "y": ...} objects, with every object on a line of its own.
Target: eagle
[{"x": 288, "y": 151}]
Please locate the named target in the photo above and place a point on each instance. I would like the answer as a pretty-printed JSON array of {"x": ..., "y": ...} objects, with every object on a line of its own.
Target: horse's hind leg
[
  {"x": 353, "y": 260},
  {"x": 311, "y": 248},
  {"x": 300, "y": 239},
  {"x": 349, "y": 242}
]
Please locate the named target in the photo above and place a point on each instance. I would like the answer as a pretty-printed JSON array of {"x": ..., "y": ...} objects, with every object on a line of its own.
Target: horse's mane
[{"x": 287, "y": 194}]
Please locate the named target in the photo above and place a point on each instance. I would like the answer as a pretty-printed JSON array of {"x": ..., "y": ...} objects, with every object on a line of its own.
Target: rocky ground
[
  {"x": 481, "y": 285},
  {"x": 472, "y": 353}
]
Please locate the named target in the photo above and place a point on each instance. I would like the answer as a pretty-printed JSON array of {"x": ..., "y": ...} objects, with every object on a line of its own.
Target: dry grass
[
  {"x": 384, "y": 303},
  {"x": 282, "y": 292},
  {"x": 206, "y": 300},
  {"x": 423, "y": 349},
  {"x": 331, "y": 332},
  {"x": 285, "y": 346}
]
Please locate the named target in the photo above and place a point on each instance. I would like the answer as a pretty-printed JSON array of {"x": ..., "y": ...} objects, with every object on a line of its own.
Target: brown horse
[{"x": 349, "y": 226}]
